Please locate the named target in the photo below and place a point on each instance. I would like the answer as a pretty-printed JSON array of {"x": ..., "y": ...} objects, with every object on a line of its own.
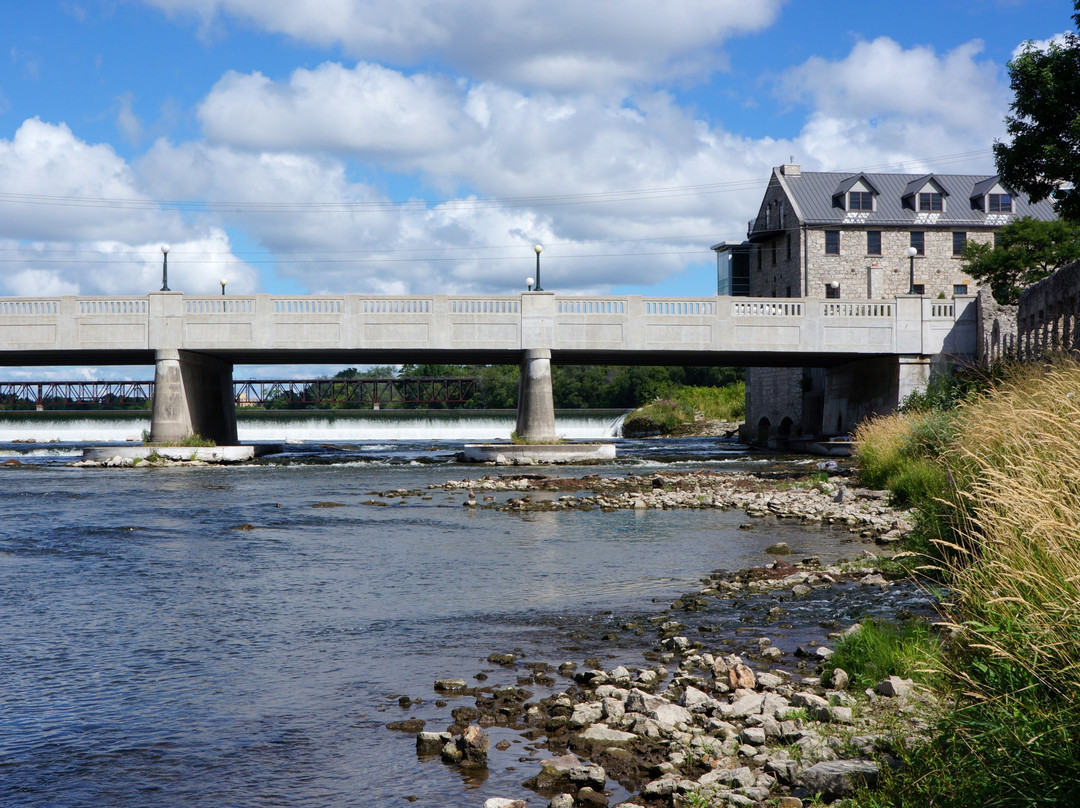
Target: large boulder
[{"x": 838, "y": 778}]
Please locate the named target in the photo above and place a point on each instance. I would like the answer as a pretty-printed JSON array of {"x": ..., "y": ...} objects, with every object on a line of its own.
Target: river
[{"x": 240, "y": 636}]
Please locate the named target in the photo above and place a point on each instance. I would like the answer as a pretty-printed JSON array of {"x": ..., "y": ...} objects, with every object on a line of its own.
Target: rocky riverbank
[
  {"x": 829, "y": 500},
  {"x": 699, "y": 725}
]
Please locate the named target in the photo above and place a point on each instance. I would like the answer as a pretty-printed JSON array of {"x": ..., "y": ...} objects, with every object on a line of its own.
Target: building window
[
  {"x": 789, "y": 247},
  {"x": 1000, "y": 203},
  {"x": 959, "y": 289},
  {"x": 959, "y": 242},
  {"x": 775, "y": 250},
  {"x": 930, "y": 203},
  {"x": 920, "y": 289},
  {"x": 918, "y": 241},
  {"x": 832, "y": 291},
  {"x": 832, "y": 242},
  {"x": 873, "y": 242},
  {"x": 860, "y": 200},
  {"x": 997, "y": 239}
]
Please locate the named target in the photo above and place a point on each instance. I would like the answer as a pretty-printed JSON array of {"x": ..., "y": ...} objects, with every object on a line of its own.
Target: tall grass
[
  {"x": 684, "y": 405},
  {"x": 1007, "y": 540}
]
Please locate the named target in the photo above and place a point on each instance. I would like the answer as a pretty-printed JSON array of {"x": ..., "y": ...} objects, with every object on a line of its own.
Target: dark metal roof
[{"x": 812, "y": 193}]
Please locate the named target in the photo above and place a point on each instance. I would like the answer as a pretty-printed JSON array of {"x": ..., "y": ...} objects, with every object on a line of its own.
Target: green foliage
[
  {"x": 880, "y": 649},
  {"x": 1025, "y": 251},
  {"x": 1044, "y": 128},
  {"x": 685, "y": 405}
]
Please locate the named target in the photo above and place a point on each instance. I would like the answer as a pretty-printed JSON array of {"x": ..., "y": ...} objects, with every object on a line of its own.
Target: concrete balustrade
[{"x": 171, "y": 331}]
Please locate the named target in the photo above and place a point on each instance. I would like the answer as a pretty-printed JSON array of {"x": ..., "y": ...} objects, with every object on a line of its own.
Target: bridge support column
[
  {"x": 536, "y": 403},
  {"x": 193, "y": 394},
  {"x": 914, "y": 375}
]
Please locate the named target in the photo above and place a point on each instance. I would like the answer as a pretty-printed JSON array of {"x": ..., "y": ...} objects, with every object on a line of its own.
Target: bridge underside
[{"x": 355, "y": 357}]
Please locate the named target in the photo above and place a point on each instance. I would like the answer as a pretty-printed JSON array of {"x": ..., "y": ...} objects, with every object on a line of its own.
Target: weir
[
  {"x": 195, "y": 341},
  {"x": 331, "y": 426}
]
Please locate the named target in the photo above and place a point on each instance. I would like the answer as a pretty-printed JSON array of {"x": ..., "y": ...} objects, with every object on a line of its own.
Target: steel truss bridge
[{"x": 359, "y": 392}]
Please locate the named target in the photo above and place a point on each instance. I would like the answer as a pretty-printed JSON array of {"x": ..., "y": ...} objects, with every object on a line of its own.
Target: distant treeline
[{"x": 574, "y": 386}]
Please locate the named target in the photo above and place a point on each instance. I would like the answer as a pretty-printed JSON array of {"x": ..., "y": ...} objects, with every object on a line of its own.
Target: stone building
[{"x": 855, "y": 236}]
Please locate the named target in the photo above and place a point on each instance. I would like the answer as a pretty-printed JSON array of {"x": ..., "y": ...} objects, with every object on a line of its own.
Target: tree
[
  {"x": 1044, "y": 154},
  {"x": 1025, "y": 251}
]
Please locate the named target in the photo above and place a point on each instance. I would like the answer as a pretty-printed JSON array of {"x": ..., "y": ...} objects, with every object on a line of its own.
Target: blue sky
[{"x": 423, "y": 146}]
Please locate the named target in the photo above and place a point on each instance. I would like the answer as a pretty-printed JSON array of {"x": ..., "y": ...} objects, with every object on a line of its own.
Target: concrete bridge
[{"x": 194, "y": 341}]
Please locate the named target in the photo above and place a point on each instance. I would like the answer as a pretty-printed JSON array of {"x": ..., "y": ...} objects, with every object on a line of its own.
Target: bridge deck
[{"x": 265, "y": 329}]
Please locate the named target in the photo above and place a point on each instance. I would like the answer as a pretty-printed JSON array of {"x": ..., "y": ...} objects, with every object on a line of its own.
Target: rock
[
  {"x": 747, "y": 705},
  {"x": 894, "y": 686},
  {"x": 566, "y": 773},
  {"x": 449, "y": 685},
  {"x": 809, "y": 700},
  {"x": 408, "y": 725},
  {"x": 741, "y": 777},
  {"x": 655, "y": 707},
  {"x": 502, "y": 802},
  {"x": 838, "y": 778},
  {"x": 562, "y": 801},
  {"x": 587, "y": 713},
  {"x": 501, "y": 659},
  {"x": 840, "y": 680},
  {"x": 600, "y": 735},
  {"x": 431, "y": 743},
  {"x": 769, "y": 681},
  {"x": 753, "y": 736},
  {"x": 475, "y": 744},
  {"x": 780, "y": 548},
  {"x": 589, "y": 796},
  {"x": 741, "y": 677},
  {"x": 801, "y": 590},
  {"x": 874, "y": 580},
  {"x": 697, "y": 701}
]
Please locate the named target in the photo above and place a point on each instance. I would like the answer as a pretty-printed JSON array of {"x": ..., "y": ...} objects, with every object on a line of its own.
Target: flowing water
[{"x": 239, "y": 636}]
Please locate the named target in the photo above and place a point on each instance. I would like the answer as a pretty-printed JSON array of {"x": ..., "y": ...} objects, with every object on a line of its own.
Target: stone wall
[
  {"x": 1049, "y": 314},
  {"x": 858, "y": 275},
  {"x": 997, "y": 328}
]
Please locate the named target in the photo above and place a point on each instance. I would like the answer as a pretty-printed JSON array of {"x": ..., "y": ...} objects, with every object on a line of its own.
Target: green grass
[
  {"x": 996, "y": 481},
  {"x": 684, "y": 405},
  {"x": 880, "y": 650}
]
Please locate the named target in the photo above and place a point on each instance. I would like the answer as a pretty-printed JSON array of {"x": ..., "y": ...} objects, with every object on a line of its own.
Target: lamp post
[
  {"x": 911, "y": 253},
  {"x": 165, "y": 267},
  {"x": 222, "y": 287},
  {"x": 538, "y": 249},
  {"x": 529, "y": 283}
]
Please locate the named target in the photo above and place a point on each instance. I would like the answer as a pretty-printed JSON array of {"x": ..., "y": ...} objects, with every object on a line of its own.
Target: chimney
[{"x": 791, "y": 170}]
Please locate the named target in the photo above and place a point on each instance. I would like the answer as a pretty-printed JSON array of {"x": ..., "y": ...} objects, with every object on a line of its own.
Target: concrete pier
[
  {"x": 536, "y": 404},
  {"x": 193, "y": 395}
]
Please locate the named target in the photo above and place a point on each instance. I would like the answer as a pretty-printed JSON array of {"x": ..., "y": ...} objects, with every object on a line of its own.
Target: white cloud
[
  {"x": 561, "y": 44},
  {"x": 54, "y": 185},
  {"x": 1042, "y": 44},
  {"x": 886, "y": 104},
  {"x": 369, "y": 110}
]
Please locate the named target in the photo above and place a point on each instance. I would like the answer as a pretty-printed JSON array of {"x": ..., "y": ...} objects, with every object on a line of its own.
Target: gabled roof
[
  {"x": 852, "y": 181},
  {"x": 984, "y": 187},
  {"x": 919, "y": 183},
  {"x": 811, "y": 194}
]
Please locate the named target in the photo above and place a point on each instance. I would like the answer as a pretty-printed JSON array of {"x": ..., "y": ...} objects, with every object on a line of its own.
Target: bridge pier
[
  {"x": 193, "y": 395},
  {"x": 536, "y": 402}
]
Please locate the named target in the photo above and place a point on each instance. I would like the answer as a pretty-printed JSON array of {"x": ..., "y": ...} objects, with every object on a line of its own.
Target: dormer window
[
  {"x": 931, "y": 202},
  {"x": 925, "y": 195},
  {"x": 990, "y": 196},
  {"x": 860, "y": 200}
]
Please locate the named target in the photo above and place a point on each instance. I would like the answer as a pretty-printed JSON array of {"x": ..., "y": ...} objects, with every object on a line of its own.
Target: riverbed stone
[
  {"x": 838, "y": 778},
  {"x": 894, "y": 686},
  {"x": 450, "y": 685},
  {"x": 741, "y": 777},
  {"x": 656, "y": 707},
  {"x": 602, "y": 735},
  {"x": 503, "y": 802}
]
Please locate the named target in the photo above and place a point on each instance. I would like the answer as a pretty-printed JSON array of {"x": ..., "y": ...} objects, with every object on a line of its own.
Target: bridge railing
[{"x": 28, "y": 307}]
